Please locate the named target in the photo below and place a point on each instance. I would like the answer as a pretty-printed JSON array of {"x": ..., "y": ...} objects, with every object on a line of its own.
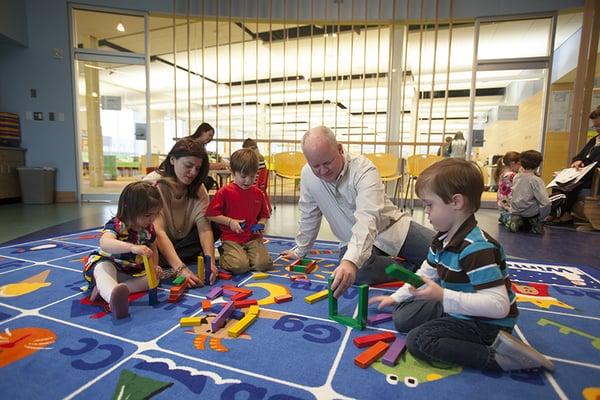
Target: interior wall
[
  {"x": 48, "y": 143},
  {"x": 13, "y": 22}
]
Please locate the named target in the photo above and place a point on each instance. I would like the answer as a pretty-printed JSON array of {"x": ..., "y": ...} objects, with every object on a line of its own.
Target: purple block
[
  {"x": 393, "y": 352},
  {"x": 219, "y": 321},
  {"x": 379, "y": 318},
  {"x": 229, "y": 293},
  {"x": 214, "y": 293}
]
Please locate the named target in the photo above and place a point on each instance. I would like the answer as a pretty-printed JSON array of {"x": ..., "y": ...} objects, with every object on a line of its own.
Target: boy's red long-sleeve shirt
[{"x": 234, "y": 202}]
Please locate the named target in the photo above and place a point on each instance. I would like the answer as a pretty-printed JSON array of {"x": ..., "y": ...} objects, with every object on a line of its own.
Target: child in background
[
  {"x": 116, "y": 268},
  {"x": 251, "y": 144},
  {"x": 467, "y": 318},
  {"x": 530, "y": 204},
  {"x": 506, "y": 169},
  {"x": 241, "y": 211}
]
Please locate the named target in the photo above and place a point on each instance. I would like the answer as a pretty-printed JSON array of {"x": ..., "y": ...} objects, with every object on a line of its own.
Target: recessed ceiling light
[{"x": 120, "y": 27}]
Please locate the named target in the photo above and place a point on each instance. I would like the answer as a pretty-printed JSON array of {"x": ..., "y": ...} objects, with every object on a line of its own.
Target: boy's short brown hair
[
  {"x": 531, "y": 159},
  {"x": 453, "y": 176},
  {"x": 244, "y": 161}
]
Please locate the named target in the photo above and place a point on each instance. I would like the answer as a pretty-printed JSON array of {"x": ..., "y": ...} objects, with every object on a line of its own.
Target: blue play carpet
[{"x": 55, "y": 343}]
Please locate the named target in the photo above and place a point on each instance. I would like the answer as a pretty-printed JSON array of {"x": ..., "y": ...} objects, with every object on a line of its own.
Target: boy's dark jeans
[{"x": 437, "y": 337}]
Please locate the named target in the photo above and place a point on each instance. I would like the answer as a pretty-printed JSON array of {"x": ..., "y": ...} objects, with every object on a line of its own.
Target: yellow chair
[
  {"x": 287, "y": 165},
  {"x": 389, "y": 168},
  {"x": 414, "y": 166}
]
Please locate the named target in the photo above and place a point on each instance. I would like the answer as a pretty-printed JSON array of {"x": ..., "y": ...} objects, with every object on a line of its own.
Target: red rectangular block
[
  {"x": 368, "y": 340},
  {"x": 283, "y": 298},
  {"x": 237, "y": 289},
  {"x": 240, "y": 296},
  {"x": 371, "y": 355},
  {"x": 224, "y": 275},
  {"x": 244, "y": 303}
]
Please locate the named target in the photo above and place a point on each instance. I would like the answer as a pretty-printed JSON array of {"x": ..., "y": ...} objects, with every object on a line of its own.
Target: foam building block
[
  {"x": 391, "y": 356},
  {"x": 150, "y": 273},
  {"x": 244, "y": 303},
  {"x": 363, "y": 303},
  {"x": 152, "y": 296},
  {"x": 369, "y": 340},
  {"x": 254, "y": 309},
  {"x": 399, "y": 272},
  {"x": 224, "y": 275},
  {"x": 214, "y": 293},
  {"x": 191, "y": 321},
  {"x": 283, "y": 298},
  {"x": 371, "y": 355},
  {"x": 260, "y": 275},
  {"x": 239, "y": 327},
  {"x": 240, "y": 296},
  {"x": 207, "y": 270},
  {"x": 179, "y": 280},
  {"x": 200, "y": 271},
  {"x": 219, "y": 321},
  {"x": 313, "y": 298},
  {"x": 206, "y": 305}
]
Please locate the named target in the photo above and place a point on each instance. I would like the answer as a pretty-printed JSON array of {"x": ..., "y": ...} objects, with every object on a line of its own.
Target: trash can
[{"x": 37, "y": 184}]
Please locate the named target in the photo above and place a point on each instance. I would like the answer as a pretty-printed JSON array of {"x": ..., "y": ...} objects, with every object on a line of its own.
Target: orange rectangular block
[
  {"x": 371, "y": 355},
  {"x": 283, "y": 298},
  {"x": 206, "y": 305},
  {"x": 237, "y": 289},
  {"x": 177, "y": 289}
]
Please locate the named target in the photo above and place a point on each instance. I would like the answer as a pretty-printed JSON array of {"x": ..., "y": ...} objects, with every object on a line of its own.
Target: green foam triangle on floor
[{"x": 136, "y": 387}]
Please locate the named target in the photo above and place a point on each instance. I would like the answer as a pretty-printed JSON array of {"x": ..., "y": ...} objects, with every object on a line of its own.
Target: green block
[
  {"x": 179, "y": 280},
  {"x": 363, "y": 301},
  {"x": 401, "y": 273},
  {"x": 299, "y": 268},
  {"x": 305, "y": 261}
]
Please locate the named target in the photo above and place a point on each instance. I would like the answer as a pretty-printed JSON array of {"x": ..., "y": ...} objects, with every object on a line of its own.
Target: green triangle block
[{"x": 136, "y": 387}]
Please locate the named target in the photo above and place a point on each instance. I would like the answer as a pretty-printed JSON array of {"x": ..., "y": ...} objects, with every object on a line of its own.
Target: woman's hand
[
  {"x": 384, "y": 301},
  {"x": 159, "y": 272},
  {"x": 191, "y": 279},
  {"x": 141, "y": 250},
  {"x": 214, "y": 272},
  {"x": 432, "y": 291},
  {"x": 577, "y": 164}
]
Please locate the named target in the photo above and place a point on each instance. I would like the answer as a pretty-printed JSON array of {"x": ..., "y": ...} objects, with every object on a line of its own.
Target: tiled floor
[{"x": 558, "y": 245}]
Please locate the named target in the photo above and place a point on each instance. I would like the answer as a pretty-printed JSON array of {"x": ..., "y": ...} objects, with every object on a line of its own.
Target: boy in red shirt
[{"x": 241, "y": 211}]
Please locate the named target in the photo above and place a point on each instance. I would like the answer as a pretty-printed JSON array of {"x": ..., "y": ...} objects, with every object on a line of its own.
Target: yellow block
[
  {"x": 253, "y": 310},
  {"x": 191, "y": 321},
  {"x": 313, "y": 298},
  {"x": 201, "y": 268},
  {"x": 150, "y": 273},
  {"x": 238, "y": 328},
  {"x": 260, "y": 275}
]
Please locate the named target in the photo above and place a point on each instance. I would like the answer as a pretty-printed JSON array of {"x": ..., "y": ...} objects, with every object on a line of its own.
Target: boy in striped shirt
[{"x": 467, "y": 318}]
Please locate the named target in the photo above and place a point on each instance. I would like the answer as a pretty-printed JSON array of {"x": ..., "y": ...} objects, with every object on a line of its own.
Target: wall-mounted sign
[
  {"x": 508, "y": 113},
  {"x": 110, "y": 102}
]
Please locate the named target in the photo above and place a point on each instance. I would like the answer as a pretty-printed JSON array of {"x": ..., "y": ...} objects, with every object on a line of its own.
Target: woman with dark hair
[
  {"x": 204, "y": 134},
  {"x": 182, "y": 230},
  {"x": 587, "y": 155}
]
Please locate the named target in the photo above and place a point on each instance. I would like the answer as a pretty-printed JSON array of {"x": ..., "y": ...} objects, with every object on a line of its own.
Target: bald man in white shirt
[{"x": 347, "y": 190}]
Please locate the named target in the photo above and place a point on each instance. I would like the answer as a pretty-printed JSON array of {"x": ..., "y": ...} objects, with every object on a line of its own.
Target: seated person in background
[
  {"x": 116, "y": 268},
  {"x": 444, "y": 149},
  {"x": 251, "y": 144},
  {"x": 530, "y": 204},
  {"x": 204, "y": 134},
  {"x": 241, "y": 211},
  {"x": 587, "y": 155},
  {"x": 467, "y": 318},
  {"x": 506, "y": 169}
]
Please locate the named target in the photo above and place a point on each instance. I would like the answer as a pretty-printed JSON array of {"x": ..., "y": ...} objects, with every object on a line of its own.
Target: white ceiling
[{"x": 239, "y": 57}]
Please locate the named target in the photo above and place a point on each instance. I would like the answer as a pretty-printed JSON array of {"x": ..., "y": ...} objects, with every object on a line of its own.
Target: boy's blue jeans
[{"x": 437, "y": 337}]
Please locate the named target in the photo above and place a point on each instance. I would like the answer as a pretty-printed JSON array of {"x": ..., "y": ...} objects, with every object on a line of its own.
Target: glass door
[
  {"x": 111, "y": 104},
  {"x": 111, "y": 91}
]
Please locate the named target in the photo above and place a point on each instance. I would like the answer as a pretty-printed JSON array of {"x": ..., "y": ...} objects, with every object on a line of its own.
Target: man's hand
[
  {"x": 384, "y": 301},
  {"x": 430, "y": 291},
  {"x": 214, "y": 272},
  {"x": 343, "y": 277},
  {"x": 289, "y": 254}
]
